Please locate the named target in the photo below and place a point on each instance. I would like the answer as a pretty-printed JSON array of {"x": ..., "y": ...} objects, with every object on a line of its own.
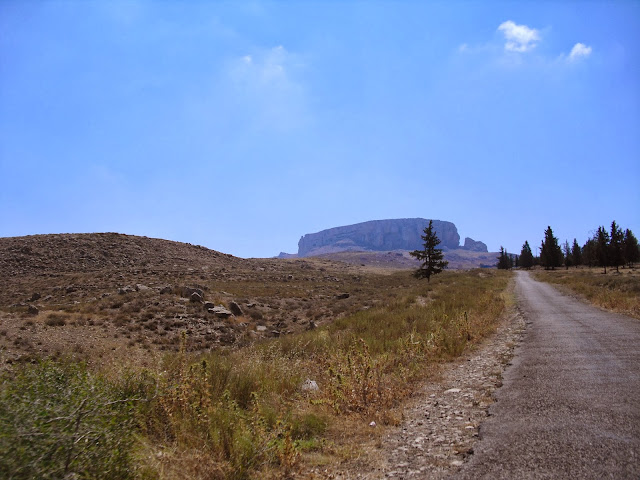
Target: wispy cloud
[
  {"x": 264, "y": 81},
  {"x": 579, "y": 50},
  {"x": 520, "y": 38}
]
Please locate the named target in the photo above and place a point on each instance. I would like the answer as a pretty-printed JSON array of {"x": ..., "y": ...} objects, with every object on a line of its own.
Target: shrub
[
  {"x": 56, "y": 320},
  {"x": 59, "y": 421}
]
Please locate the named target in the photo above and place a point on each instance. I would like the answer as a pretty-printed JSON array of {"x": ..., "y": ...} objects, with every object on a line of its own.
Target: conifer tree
[
  {"x": 526, "y": 257},
  {"x": 589, "y": 252},
  {"x": 602, "y": 248},
  {"x": 568, "y": 261},
  {"x": 576, "y": 253},
  {"x": 504, "y": 260},
  {"x": 616, "y": 246},
  {"x": 550, "y": 253},
  {"x": 631, "y": 250},
  {"x": 430, "y": 256}
]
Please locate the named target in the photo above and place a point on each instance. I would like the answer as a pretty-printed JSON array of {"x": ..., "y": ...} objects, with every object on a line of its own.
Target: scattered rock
[
  {"x": 166, "y": 290},
  {"x": 309, "y": 386},
  {"x": 188, "y": 291},
  {"x": 208, "y": 305},
  {"x": 195, "y": 297},
  {"x": 220, "y": 312},
  {"x": 440, "y": 426},
  {"x": 33, "y": 310},
  {"x": 342, "y": 296},
  {"x": 126, "y": 289},
  {"x": 142, "y": 288},
  {"x": 235, "y": 309},
  {"x": 34, "y": 297},
  {"x": 261, "y": 328}
]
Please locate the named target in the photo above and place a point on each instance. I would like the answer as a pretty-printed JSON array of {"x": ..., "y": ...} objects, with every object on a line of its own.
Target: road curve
[{"x": 570, "y": 403}]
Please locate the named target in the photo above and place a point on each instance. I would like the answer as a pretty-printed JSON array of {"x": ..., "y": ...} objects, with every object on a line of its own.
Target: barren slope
[{"x": 104, "y": 295}]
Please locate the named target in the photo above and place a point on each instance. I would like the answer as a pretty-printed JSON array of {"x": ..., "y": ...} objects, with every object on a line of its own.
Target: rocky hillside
[
  {"x": 104, "y": 296},
  {"x": 382, "y": 235},
  {"x": 93, "y": 252}
]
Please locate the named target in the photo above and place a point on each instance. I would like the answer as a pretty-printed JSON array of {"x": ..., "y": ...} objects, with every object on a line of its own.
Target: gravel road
[{"x": 570, "y": 403}]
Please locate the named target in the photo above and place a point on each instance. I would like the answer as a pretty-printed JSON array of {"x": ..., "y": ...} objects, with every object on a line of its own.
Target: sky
[{"x": 242, "y": 126}]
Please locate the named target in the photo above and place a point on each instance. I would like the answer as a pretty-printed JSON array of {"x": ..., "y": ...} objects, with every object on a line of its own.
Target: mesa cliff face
[{"x": 377, "y": 235}]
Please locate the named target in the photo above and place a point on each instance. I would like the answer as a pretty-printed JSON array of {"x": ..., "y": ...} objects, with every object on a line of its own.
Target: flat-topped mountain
[{"x": 382, "y": 235}]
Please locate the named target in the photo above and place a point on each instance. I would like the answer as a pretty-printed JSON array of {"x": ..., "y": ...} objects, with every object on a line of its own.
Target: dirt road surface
[{"x": 570, "y": 404}]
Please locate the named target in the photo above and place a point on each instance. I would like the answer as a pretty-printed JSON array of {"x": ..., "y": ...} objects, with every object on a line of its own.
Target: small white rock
[
  {"x": 309, "y": 386},
  {"x": 372, "y": 424},
  {"x": 452, "y": 390}
]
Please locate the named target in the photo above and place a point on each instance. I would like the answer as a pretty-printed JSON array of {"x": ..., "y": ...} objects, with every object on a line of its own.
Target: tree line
[{"x": 613, "y": 248}]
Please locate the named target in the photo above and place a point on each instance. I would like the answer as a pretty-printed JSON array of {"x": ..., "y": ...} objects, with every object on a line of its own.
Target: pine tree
[
  {"x": 589, "y": 252},
  {"x": 616, "y": 246},
  {"x": 568, "y": 260},
  {"x": 602, "y": 248},
  {"x": 550, "y": 253},
  {"x": 504, "y": 260},
  {"x": 631, "y": 250},
  {"x": 576, "y": 253},
  {"x": 430, "y": 256},
  {"x": 526, "y": 257}
]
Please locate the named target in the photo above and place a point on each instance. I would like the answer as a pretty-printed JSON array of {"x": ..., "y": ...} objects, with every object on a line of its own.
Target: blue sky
[{"x": 243, "y": 125}]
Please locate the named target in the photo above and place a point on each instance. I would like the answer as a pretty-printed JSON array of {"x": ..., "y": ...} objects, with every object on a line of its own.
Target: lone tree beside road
[{"x": 430, "y": 256}]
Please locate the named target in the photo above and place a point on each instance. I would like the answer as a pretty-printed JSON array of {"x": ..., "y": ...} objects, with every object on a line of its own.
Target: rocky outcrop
[
  {"x": 474, "y": 246},
  {"x": 377, "y": 235}
]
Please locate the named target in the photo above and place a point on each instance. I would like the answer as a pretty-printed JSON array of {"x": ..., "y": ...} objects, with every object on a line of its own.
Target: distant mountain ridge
[{"x": 383, "y": 235}]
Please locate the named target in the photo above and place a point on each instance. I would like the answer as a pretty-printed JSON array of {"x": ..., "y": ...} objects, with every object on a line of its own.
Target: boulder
[
  {"x": 220, "y": 312},
  {"x": 188, "y": 291},
  {"x": 33, "y": 310},
  {"x": 235, "y": 309},
  {"x": 195, "y": 297}
]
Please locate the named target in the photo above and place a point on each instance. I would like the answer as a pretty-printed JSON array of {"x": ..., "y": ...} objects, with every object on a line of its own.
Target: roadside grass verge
[
  {"x": 618, "y": 292},
  {"x": 236, "y": 414}
]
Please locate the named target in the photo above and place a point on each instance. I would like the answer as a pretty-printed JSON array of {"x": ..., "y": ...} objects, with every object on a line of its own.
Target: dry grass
[
  {"x": 245, "y": 412},
  {"x": 222, "y": 398},
  {"x": 242, "y": 413},
  {"x": 615, "y": 291}
]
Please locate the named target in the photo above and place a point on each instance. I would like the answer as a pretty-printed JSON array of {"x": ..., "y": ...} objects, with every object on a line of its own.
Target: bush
[
  {"x": 59, "y": 421},
  {"x": 56, "y": 320}
]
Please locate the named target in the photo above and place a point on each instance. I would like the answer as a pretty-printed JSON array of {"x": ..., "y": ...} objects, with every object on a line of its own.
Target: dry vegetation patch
[
  {"x": 618, "y": 291},
  {"x": 315, "y": 351}
]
